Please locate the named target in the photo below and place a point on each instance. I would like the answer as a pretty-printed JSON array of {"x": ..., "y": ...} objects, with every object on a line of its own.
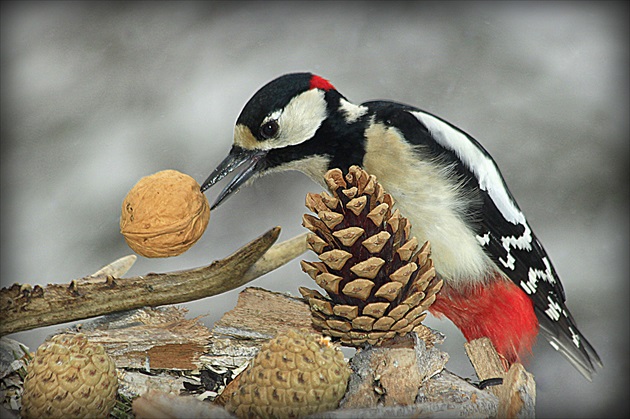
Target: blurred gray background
[{"x": 97, "y": 95}]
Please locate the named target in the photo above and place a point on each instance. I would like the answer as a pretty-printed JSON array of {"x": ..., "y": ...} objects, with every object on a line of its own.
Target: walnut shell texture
[{"x": 164, "y": 214}]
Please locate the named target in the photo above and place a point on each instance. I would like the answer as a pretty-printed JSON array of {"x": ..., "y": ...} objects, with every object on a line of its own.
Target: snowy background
[{"x": 97, "y": 95}]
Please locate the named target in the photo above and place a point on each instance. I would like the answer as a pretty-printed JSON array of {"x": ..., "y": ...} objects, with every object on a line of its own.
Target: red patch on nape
[
  {"x": 318, "y": 82},
  {"x": 499, "y": 310}
]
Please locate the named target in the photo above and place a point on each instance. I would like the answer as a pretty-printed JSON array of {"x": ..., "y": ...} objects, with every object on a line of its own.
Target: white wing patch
[
  {"x": 484, "y": 240},
  {"x": 534, "y": 275},
  {"x": 509, "y": 242},
  {"x": 553, "y": 309},
  {"x": 575, "y": 337},
  {"x": 479, "y": 164}
]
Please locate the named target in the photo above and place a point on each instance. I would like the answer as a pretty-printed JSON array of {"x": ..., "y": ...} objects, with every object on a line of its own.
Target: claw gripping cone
[{"x": 379, "y": 281}]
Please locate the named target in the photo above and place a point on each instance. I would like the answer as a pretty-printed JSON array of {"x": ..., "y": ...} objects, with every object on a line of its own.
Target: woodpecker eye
[{"x": 269, "y": 129}]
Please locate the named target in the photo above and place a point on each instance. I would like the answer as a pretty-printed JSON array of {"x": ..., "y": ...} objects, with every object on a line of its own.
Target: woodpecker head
[{"x": 294, "y": 122}]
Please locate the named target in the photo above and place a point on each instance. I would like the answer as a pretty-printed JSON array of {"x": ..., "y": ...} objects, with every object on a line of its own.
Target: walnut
[{"x": 164, "y": 214}]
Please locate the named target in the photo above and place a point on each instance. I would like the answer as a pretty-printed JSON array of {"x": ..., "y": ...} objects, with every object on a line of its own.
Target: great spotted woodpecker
[{"x": 499, "y": 280}]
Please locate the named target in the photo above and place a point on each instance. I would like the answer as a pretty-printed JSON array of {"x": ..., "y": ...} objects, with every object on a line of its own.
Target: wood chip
[{"x": 117, "y": 268}]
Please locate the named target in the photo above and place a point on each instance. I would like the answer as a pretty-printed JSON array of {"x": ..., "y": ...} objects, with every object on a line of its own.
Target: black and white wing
[{"x": 508, "y": 240}]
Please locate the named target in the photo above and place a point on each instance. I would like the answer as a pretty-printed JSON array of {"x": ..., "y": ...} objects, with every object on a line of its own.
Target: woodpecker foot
[{"x": 505, "y": 362}]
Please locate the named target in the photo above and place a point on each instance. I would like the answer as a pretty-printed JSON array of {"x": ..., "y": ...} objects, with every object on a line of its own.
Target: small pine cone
[
  {"x": 69, "y": 377},
  {"x": 293, "y": 375},
  {"x": 379, "y": 284}
]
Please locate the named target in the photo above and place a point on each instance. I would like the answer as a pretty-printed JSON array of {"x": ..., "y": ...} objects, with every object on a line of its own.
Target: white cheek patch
[{"x": 299, "y": 120}]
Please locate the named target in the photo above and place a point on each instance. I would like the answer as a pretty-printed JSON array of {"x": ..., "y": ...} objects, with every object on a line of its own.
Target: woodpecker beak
[{"x": 238, "y": 156}]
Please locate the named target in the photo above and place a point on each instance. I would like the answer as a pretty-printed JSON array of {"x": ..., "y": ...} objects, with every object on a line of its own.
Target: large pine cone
[{"x": 379, "y": 284}]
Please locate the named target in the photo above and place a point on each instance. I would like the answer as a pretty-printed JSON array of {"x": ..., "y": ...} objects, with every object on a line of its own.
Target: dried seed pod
[
  {"x": 69, "y": 377},
  {"x": 164, "y": 214},
  {"x": 293, "y": 375},
  {"x": 379, "y": 281}
]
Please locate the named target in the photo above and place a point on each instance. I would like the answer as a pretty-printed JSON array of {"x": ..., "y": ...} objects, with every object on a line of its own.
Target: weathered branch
[
  {"x": 275, "y": 257},
  {"x": 517, "y": 394},
  {"x": 23, "y": 307},
  {"x": 485, "y": 359}
]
